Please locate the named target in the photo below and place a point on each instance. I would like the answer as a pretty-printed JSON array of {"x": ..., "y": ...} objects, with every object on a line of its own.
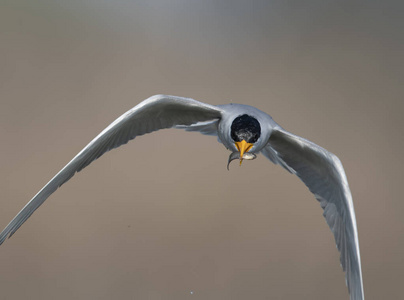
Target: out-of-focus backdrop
[{"x": 162, "y": 218}]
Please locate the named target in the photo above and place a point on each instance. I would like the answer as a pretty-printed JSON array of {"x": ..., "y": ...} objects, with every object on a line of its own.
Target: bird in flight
[{"x": 245, "y": 131}]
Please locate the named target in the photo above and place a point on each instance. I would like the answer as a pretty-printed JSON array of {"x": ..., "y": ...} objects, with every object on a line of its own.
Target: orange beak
[{"x": 243, "y": 147}]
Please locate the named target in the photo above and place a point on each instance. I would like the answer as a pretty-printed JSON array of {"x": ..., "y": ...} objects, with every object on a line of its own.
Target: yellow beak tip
[{"x": 243, "y": 147}]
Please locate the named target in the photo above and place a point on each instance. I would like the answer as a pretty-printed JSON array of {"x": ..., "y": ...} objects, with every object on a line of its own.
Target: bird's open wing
[
  {"x": 152, "y": 114},
  {"x": 322, "y": 172}
]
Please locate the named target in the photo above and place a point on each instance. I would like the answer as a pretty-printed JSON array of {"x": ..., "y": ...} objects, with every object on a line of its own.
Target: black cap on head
[{"x": 245, "y": 128}]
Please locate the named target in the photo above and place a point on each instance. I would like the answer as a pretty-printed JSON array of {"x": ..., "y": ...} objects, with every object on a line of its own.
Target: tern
[{"x": 245, "y": 131}]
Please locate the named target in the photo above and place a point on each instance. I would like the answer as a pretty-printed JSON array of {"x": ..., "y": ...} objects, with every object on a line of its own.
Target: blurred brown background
[{"x": 162, "y": 217}]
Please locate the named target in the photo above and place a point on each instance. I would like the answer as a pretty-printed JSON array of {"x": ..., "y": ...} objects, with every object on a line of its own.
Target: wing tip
[
  {"x": 11, "y": 228},
  {"x": 4, "y": 236}
]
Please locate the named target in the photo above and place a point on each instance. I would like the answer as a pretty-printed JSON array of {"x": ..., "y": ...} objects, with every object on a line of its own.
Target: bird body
[{"x": 245, "y": 131}]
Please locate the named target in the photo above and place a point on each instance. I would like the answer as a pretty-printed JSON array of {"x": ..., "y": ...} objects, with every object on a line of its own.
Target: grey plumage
[{"x": 320, "y": 170}]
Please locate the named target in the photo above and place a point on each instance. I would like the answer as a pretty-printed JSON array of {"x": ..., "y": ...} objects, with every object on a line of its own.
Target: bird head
[{"x": 245, "y": 131}]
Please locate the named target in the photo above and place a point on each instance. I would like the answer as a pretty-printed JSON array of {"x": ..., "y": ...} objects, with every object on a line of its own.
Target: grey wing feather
[
  {"x": 322, "y": 172},
  {"x": 154, "y": 113},
  {"x": 207, "y": 128}
]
